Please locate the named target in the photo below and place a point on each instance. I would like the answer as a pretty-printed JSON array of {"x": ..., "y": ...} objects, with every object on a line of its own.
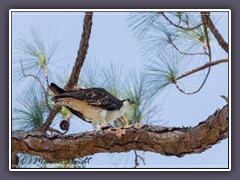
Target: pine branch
[
  {"x": 82, "y": 52},
  {"x": 207, "y": 65},
  {"x": 168, "y": 141},
  {"x": 47, "y": 81},
  {"x": 180, "y": 27},
  {"x": 204, "y": 20},
  {"x": 185, "y": 53},
  {"x": 41, "y": 84},
  {"x": 216, "y": 33}
]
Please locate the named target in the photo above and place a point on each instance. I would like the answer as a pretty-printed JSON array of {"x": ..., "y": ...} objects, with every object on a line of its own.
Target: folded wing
[{"x": 98, "y": 97}]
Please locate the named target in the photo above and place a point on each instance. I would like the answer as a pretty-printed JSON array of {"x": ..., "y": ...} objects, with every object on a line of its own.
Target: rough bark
[
  {"x": 215, "y": 32},
  {"x": 169, "y": 141},
  {"x": 82, "y": 52}
]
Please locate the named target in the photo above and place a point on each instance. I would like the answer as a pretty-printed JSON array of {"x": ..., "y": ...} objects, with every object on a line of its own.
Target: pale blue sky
[{"x": 113, "y": 41}]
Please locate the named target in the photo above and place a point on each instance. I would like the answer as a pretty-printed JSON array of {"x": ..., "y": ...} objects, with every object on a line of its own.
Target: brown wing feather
[
  {"x": 57, "y": 90},
  {"x": 93, "y": 96}
]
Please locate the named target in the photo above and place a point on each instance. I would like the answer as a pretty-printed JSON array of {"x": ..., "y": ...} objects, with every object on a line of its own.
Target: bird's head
[
  {"x": 127, "y": 102},
  {"x": 126, "y": 105}
]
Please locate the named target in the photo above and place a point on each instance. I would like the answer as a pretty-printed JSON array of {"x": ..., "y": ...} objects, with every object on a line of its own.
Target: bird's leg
[
  {"x": 98, "y": 129},
  {"x": 103, "y": 114},
  {"x": 94, "y": 124},
  {"x": 123, "y": 120},
  {"x": 99, "y": 125}
]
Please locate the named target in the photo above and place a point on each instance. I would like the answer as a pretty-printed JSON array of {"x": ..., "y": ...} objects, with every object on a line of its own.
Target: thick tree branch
[
  {"x": 50, "y": 118},
  {"x": 216, "y": 33},
  {"x": 82, "y": 52},
  {"x": 204, "y": 20},
  {"x": 87, "y": 26},
  {"x": 169, "y": 141}
]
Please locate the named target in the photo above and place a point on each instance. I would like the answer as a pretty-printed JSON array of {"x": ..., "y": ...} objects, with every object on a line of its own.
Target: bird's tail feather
[{"x": 55, "y": 89}]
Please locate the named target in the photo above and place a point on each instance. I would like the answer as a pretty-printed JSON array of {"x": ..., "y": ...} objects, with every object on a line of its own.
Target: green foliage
[
  {"x": 64, "y": 112},
  {"x": 163, "y": 45},
  {"x": 137, "y": 91},
  {"x": 163, "y": 72},
  {"x": 29, "y": 110},
  {"x": 36, "y": 52},
  {"x": 160, "y": 34},
  {"x": 113, "y": 78},
  {"x": 141, "y": 22},
  {"x": 109, "y": 77}
]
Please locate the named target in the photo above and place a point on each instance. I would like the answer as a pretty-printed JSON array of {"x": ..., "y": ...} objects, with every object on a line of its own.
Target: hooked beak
[{"x": 132, "y": 102}]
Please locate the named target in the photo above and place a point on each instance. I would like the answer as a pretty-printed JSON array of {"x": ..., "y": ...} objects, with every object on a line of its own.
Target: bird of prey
[{"x": 94, "y": 105}]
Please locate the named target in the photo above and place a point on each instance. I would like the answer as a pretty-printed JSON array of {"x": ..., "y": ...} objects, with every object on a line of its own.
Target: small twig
[
  {"x": 207, "y": 65},
  {"x": 136, "y": 159},
  {"x": 181, "y": 90},
  {"x": 180, "y": 27},
  {"x": 46, "y": 74},
  {"x": 46, "y": 78},
  {"x": 225, "y": 98},
  {"x": 41, "y": 84},
  {"x": 185, "y": 53},
  {"x": 142, "y": 158}
]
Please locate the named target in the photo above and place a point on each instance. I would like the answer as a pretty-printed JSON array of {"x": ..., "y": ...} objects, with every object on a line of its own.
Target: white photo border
[{"x": 118, "y": 10}]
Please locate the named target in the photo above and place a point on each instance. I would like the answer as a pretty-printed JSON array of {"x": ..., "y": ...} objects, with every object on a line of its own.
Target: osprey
[{"x": 94, "y": 105}]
